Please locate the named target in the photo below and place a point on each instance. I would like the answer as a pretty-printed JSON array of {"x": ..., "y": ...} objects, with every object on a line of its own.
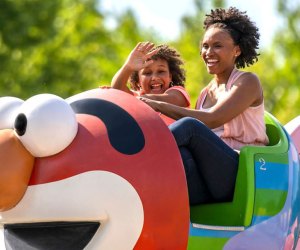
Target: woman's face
[
  {"x": 156, "y": 78},
  {"x": 219, "y": 51}
]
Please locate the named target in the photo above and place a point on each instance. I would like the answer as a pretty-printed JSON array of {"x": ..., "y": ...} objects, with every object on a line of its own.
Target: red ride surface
[{"x": 156, "y": 172}]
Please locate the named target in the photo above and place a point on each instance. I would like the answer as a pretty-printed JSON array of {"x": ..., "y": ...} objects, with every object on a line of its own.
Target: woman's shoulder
[
  {"x": 247, "y": 74},
  {"x": 247, "y": 78},
  {"x": 249, "y": 82}
]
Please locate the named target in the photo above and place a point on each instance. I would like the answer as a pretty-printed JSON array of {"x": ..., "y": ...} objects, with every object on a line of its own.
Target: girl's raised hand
[{"x": 140, "y": 56}]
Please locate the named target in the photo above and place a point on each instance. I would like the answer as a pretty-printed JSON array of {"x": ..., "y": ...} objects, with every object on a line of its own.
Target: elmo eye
[
  {"x": 9, "y": 107},
  {"x": 46, "y": 124}
]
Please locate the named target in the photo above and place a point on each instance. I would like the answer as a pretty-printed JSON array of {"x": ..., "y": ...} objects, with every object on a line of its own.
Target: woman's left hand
[{"x": 153, "y": 104}]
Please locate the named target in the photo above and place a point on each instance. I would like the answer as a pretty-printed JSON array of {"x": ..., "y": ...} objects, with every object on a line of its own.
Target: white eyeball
[
  {"x": 9, "y": 107},
  {"x": 46, "y": 125}
]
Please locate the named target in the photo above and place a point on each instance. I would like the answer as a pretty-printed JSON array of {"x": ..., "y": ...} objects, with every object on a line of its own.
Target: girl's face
[
  {"x": 156, "y": 78},
  {"x": 219, "y": 51}
]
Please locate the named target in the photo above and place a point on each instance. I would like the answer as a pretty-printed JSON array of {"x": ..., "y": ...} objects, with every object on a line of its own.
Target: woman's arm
[
  {"x": 173, "y": 96},
  {"x": 246, "y": 92}
]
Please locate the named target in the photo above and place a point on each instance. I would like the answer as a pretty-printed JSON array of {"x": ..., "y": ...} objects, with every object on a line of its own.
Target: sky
[{"x": 164, "y": 16}]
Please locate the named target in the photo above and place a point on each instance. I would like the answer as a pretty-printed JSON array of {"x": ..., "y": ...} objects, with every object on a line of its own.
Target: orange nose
[{"x": 16, "y": 165}]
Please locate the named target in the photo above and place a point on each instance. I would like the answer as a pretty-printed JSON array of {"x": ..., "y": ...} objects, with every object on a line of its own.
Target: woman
[{"x": 229, "y": 112}]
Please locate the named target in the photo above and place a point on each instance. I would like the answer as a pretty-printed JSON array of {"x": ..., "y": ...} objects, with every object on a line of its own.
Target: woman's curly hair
[
  {"x": 175, "y": 63},
  {"x": 242, "y": 30}
]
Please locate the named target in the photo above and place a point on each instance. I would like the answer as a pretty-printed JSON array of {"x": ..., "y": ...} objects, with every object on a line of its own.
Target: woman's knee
[
  {"x": 187, "y": 125},
  {"x": 179, "y": 123}
]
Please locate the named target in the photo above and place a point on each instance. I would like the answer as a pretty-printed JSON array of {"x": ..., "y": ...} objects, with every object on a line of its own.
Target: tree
[
  {"x": 59, "y": 46},
  {"x": 281, "y": 64}
]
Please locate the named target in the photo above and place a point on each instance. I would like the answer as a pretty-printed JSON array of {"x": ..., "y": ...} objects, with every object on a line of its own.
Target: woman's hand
[
  {"x": 153, "y": 104},
  {"x": 173, "y": 111}
]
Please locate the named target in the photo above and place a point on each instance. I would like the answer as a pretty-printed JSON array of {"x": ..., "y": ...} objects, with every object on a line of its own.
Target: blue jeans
[{"x": 210, "y": 164}]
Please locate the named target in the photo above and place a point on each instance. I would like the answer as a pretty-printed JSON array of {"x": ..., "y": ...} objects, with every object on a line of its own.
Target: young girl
[{"x": 155, "y": 72}]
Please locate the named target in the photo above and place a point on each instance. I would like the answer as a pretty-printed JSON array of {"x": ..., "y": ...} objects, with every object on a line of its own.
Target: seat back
[
  {"x": 293, "y": 128},
  {"x": 239, "y": 212}
]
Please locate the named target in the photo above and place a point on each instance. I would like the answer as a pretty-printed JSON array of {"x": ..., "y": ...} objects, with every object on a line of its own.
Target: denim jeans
[{"x": 210, "y": 164}]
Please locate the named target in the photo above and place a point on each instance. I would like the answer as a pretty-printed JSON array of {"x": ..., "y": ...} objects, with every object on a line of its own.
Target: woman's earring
[{"x": 171, "y": 84}]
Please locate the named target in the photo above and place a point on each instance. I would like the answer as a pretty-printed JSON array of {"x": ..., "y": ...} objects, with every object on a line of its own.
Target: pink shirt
[
  {"x": 248, "y": 128},
  {"x": 178, "y": 88},
  {"x": 185, "y": 94}
]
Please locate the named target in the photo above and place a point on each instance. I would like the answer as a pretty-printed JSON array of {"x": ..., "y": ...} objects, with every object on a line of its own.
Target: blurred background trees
[{"x": 64, "y": 47}]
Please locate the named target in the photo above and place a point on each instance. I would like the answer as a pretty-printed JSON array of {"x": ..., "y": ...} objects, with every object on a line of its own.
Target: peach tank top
[{"x": 248, "y": 128}]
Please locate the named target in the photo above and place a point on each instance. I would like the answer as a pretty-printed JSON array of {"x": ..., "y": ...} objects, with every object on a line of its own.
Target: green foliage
[
  {"x": 279, "y": 65},
  {"x": 65, "y": 47},
  {"x": 58, "y": 46}
]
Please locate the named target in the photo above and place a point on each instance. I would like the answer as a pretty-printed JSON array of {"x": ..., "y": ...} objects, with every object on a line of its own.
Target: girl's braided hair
[
  {"x": 175, "y": 63},
  {"x": 242, "y": 30}
]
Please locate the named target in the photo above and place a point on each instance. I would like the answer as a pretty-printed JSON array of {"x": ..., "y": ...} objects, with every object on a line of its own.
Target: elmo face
[{"x": 100, "y": 165}]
